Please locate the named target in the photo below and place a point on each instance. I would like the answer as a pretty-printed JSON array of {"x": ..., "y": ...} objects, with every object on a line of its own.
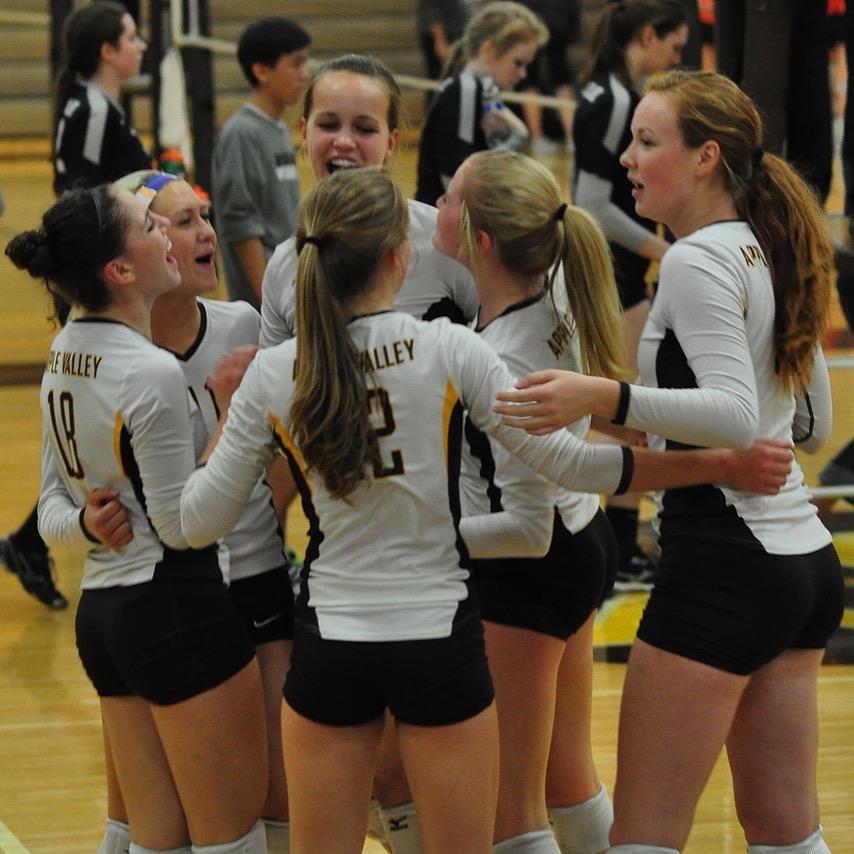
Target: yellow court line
[{"x": 9, "y": 843}]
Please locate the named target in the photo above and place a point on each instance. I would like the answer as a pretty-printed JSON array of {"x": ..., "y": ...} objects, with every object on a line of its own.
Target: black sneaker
[
  {"x": 637, "y": 575},
  {"x": 34, "y": 570}
]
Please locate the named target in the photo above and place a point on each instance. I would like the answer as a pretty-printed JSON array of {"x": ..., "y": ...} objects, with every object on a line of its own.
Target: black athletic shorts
[
  {"x": 265, "y": 603},
  {"x": 432, "y": 682},
  {"x": 554, "y": 594},
  {"x": 164, "y": 640},
  {"x": 737, "y": 608}
]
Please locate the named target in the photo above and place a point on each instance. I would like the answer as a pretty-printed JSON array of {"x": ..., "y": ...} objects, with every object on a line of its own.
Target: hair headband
[{"x": 148, "y": 190}]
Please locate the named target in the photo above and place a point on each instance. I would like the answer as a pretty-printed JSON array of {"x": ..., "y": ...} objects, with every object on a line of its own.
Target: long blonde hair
[
  {"x": 517, "y": 201},
  {"x": 347, "y": 223},
  {"x": 782, "y": 210}
]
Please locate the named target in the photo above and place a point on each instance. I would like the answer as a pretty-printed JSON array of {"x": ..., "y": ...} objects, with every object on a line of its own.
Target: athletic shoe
[
  {"x": 34, "y": 569},
  {"x": 636, "y": 575}
]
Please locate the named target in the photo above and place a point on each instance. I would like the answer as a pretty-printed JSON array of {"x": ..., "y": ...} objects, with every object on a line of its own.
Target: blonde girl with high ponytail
[{"x": 548, "y": 299}]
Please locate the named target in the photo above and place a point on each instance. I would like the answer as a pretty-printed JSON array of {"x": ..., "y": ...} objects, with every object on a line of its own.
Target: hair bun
[{"x": 30, "y": 251}]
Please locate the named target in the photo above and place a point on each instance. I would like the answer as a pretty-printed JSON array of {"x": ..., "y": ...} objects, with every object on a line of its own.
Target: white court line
[{"x": 9, "y": 843}]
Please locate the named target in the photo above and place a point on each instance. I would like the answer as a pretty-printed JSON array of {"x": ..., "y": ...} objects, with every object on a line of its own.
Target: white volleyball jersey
[
  {"x": 435, "y": 285},
  {"x": 115, "y": 413},
  {"x": 508, "y": 509},
  {"x": 707, "y": 360},
  {"x": 388, "y": 562},
  {"x": 255, "y": 544}
]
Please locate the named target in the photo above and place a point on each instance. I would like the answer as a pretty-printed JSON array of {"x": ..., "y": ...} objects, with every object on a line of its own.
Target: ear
[
  {"x": 117, "y": 272},
  {"x": 487, "y": 52},
  {"x": 108, "y": 52},
  {"x": 484, "y": 241},
  {"x": 647, "y": 35},
  {"x": 393, "y": 139},
  {"x": 302, "y": 125},
  {"x": 708, "y": 157},
  {"x": 261, "y": 72}
]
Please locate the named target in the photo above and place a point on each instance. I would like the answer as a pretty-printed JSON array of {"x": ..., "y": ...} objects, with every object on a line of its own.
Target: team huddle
[{"x": 426, "y": 383}]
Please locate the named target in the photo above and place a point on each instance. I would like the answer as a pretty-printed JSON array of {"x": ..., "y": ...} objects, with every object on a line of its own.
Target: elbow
[{"x": 538, "y": 536}]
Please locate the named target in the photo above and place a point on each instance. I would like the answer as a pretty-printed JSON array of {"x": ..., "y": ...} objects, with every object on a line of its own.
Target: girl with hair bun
[
  {"x": 749, "y": 588},
  {"x": 366, "y": 403},
  {"x": 172, "y": 664},
  {"x": 94, "y": 142}
]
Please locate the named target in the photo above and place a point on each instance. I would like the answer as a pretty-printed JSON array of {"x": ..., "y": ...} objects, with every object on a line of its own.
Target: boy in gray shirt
[{"x": 255, "y": 187}]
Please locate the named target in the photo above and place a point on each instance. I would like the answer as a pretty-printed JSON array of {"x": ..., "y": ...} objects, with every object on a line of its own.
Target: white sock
[
  {"x": 813, "y": 844},
  {"x": 633, "y": 848},
  {"x": 116, "y": 838},
  {"x": 375, "y": 825},
  {"x": 400, "y": 825},
  {"x": 278, "y": 836},
  {"x": 532, "y": 842},
  {"x": 254, "y": 842},
  {"x": 583, "y": 828},
  {"x": 140, "y": 849}
]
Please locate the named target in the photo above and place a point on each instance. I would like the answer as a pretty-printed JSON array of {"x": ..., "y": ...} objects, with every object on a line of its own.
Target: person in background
[
  {"x": 440, "y": 23},
  {"x": 633, "y": 39},
  {"x": 94, "y": 141},
  {"x": 467, "y": 115},
  {"x": 255, "y": 182},
  {"x": 551, "y": 72}
]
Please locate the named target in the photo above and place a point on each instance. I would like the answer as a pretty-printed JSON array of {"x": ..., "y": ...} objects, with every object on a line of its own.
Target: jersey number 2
[
  {"x": 378, "y": 401},
  {"x": 65, "y": 436}
]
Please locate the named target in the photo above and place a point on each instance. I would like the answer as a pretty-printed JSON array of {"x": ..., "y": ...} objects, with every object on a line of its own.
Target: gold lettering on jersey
[
  {"x": 388, "y": 355},
  {"x": 73, "y": 364},
  {"x": 561, "y": 336},
  {"x": 753, "y": 255}
]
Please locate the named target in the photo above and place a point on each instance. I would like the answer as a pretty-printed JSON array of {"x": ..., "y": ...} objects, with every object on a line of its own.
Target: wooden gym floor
[{"x": 51, "y": 771}]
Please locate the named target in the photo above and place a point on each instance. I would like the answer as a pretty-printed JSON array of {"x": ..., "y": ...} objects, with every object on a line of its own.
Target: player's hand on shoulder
[
  {"x": 106, "y": 519},
  {"x": 229, "y": 373}
]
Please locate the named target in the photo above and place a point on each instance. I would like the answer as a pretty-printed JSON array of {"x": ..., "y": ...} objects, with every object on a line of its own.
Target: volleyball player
[
  {"x": 94, "y": 141},
  {"x": 384, "y": 618},
  {"x": 750, "y": 587},
  {"x": 351, "y": 117},
  {"x": 467, "y": 115},
  {"x": 200, "y": 332},
  {"x": 173, "y": 666},
  {"x": 545, "y": 557}
]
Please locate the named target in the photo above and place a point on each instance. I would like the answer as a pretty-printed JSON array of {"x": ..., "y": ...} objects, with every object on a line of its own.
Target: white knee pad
[
  {"x": 116, "y": 838},
  {"x": 533, "y": 842},
  {"x": 583, "y": 828},
  {"x": 140, "y": 849},
  {"x": 254, "y": 842},
  {"x": 278, "y": 836},
  {"x": 634, "y": 848},
  {"x": 813, "y": 844},
  {"x": 400, "y": 828}
]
